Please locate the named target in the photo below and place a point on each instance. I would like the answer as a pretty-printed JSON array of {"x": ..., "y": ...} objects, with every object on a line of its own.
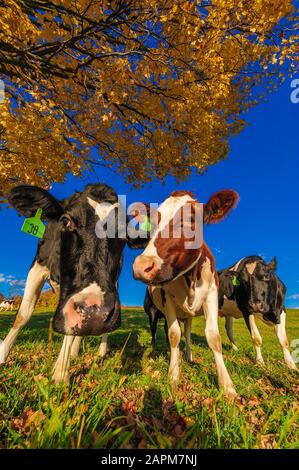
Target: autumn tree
[
  {"x": 47, "y": 298},
  {"x": 152, "y": 87}
]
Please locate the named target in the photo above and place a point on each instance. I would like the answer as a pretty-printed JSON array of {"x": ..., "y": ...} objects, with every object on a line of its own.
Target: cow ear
[
  {"x": 102, "y": 209},
  {"x": 27, "y": 199},
  {"x": 101, "y": 193},
  {"x": 219, "y": 205},
  {"x": 229, "y": 280},
  {"x": 273, "y": 264}
]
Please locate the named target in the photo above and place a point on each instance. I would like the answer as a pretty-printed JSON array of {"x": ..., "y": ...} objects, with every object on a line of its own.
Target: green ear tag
[
  {"x": 34, "y": 226},
  {"x": 146, "y": 225},
  {"x": 235, "y": 281}
]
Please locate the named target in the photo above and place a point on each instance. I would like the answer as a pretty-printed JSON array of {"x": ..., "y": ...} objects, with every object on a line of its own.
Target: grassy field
[{"x": 124, "y": 401}]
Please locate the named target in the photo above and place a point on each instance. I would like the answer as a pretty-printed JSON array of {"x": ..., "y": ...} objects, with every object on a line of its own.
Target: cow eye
[{"x": 67, "y": 222}]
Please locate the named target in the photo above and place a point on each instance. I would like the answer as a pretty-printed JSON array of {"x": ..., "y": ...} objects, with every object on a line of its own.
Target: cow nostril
[
  {"x": 149, "y": 268},
  {"x": 81, "y": 308}
]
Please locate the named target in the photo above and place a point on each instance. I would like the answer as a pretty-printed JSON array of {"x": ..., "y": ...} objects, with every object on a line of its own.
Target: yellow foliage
[{"x": 153, "y": 87}]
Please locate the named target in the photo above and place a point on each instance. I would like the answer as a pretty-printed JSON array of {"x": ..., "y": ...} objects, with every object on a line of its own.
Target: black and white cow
[
  {"x": 251, "y": 289},
  {"x": 7, "y": 305},
  {"x": 82, "y": 267}
]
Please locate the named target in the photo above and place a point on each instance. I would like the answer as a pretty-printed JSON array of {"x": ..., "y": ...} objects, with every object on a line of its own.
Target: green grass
[{"x": 124, "y": 401}]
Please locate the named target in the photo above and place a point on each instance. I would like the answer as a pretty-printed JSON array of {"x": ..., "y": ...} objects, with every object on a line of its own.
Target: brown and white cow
[{"x": 183, "y": 282}]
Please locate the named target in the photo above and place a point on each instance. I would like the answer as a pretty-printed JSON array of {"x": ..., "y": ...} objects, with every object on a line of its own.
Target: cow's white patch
[
  {"x": 251, "y": 267},
  {"x": 102, "y": 209},
  {"x": 167, "y": 209},
  {"x": 90, "y": 295},
  {"x": 93, "y": 290}
]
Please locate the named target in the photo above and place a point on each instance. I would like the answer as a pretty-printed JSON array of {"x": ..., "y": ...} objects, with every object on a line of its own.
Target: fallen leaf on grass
[
  {"x": 254, "y": 401},
  {"x": 132, "y": 400},
  {"x": 208, "y": 402},
  {"x": 240, "y": 402},
  {"x": 178, "y": 430},
  {"x": 142, "y": 444},
  {"x": 254, "y": 419},
  {"x": 28, "y": 419},
  {"x": 129, "y": 407},
  {"x": 268, "y": 441}
]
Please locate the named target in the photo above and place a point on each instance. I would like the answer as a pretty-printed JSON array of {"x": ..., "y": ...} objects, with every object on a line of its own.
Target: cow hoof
[
  {"x": 59, "y": 380},
  {"x": 235, "y": 348},
  {"x": 260, "y": 362},
  {"x": 103, "y": 352},
  {"x": 230, "y": 393},
  {"x": 102, "y": 355}
]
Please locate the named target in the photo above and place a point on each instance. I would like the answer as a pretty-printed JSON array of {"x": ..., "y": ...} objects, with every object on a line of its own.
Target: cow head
[
  {"x": 88, "y": 265},
  {"x": 172, "y": 250},
  {"x": 265, "y": 292}
]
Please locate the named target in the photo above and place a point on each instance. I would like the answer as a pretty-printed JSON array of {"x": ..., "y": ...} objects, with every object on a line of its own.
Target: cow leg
[
  {"x": 166, "y": 331},
  {"x": 75, "y": 347},
  {"x": 256, "y": 338},
  {"x": 153, "y": 326},
  {"x": 280, "y": 331},
  {"x": 174, "y": 335},
  {"x": 61, "y": 368},
  {"x": 103, "y": 346},
  {"x": 229, "y": 322},
  {"x": 210, "y": 308},
  {"x": 187, "y": 334},
  {"x": 34, "y": 283}
]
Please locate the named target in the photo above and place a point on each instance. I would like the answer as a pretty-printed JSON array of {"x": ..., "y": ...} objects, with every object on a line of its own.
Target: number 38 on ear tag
[{"x": 34, "y": 226}]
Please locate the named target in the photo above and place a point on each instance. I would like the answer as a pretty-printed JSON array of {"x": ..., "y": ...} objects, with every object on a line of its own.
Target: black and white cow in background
[
  {"x": 6, "y": 305},
  {"x": 251, "y": 289},
  {"x": 81, "y": 267}
]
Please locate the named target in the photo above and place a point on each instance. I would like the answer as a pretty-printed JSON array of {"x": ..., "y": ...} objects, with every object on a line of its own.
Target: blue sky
[{"x": 263, "y": 166}]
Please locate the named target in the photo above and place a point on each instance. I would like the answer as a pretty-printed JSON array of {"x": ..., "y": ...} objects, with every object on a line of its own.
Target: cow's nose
[
  {"x": 85, "y": 318},
  {"x": 95, "y": 309},
  {"x": 145, "y": 268}
]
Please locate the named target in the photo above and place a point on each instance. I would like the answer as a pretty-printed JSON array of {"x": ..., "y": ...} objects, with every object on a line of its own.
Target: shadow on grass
[{"x": 263, "y": 372}]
